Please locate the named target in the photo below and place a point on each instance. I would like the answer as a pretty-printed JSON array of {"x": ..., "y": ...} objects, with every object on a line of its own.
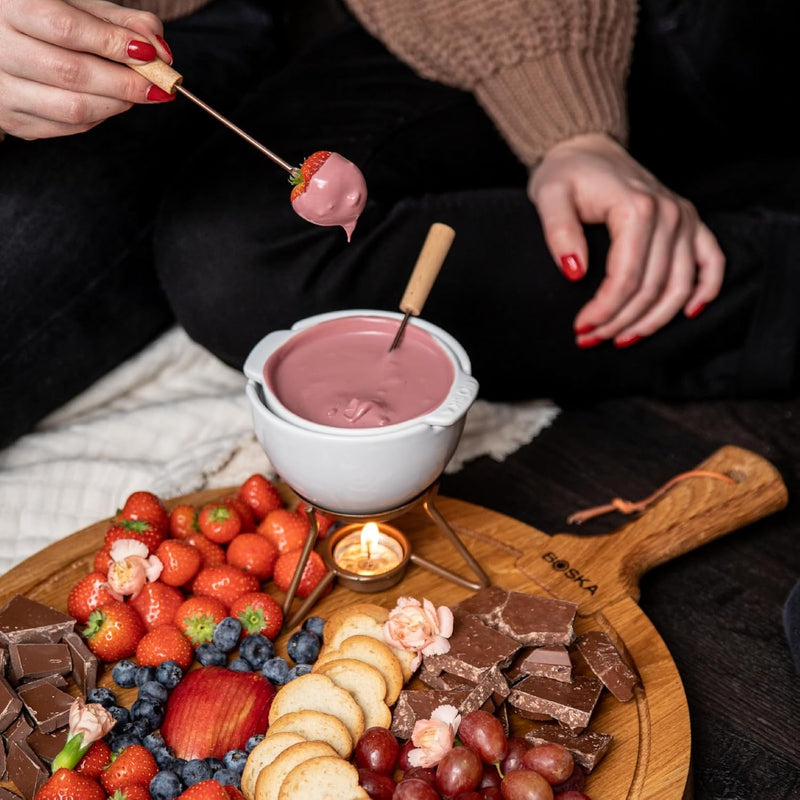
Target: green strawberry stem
[{"x": 71, "y": 753}]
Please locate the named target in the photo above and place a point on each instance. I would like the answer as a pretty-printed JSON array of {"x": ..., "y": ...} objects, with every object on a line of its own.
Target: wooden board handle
[
  {"x": 429, "y": 262},
  {"x": 161, "y": 74}
]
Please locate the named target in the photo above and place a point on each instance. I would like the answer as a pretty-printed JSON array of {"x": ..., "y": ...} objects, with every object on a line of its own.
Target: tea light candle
[{"x": 370, "y": 551}]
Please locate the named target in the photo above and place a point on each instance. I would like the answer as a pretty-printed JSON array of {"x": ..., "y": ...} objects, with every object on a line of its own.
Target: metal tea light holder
[{"x": 376, "y": 583}]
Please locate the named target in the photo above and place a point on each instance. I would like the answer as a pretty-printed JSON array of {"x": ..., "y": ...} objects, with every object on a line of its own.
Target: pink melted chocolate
[
  {"x": 335, "y": 195},
  {"x": 340, "y": 373}
]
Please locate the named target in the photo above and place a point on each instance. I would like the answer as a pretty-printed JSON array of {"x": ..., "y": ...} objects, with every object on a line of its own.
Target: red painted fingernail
[
  {"x": 627, "y": 341},
  {"x": 589, "y": 341},
  {"x": 584, "y": 329},
  {"x": 696, "y": 310},
  {"x": 571, "y": 267},
  {"x": 166, "y": 47},
  {"x": 157, "y": 95},
  {"x": 141, "y": 51}
]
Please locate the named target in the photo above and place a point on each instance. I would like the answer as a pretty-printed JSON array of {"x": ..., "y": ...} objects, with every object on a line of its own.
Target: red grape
[
  {"x": 402, "y": 758},
  {"x": 415, "y": 789},
  {"x": 484, "y": 733},
  {"x": 492, "y": 793},
  {"x": 524, "y": 784},
  {"x": 377, "y": 786},
  {"x": 427, "y": 774},
  {"x": 490, "y": 777},
  {"x": 469, "y": 796},
  {"x": 460, "y": 770},
  {"x": 552, "y": 761},
  {"x": 574, "y": 783},
  {"x": 513, "y": 760},
  {"x": 377, "y": 749}
]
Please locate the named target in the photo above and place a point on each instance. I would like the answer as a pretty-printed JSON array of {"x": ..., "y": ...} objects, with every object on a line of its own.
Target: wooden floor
[{"x": 719, "y": 608}]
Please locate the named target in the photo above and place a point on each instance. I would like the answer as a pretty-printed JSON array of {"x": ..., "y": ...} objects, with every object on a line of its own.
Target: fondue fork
[{"x": 429, "y": 262}]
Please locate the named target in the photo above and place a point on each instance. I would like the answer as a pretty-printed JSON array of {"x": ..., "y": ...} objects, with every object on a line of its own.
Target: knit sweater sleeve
[{"x": 544, "y": 70}]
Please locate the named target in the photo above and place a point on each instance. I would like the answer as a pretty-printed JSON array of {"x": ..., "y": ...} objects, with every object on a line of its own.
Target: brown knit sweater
[{"x": 544, "y": 70}]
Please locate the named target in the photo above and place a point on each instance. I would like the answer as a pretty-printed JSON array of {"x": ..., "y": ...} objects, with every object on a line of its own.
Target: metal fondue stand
[{"x": 377, "y": 583}]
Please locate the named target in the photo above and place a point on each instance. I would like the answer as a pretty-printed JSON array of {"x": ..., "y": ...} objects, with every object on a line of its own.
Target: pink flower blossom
[
  {"x": 420, "y": 628},
  {"x": 434, "y": 737},
  {"x": 87, "y": 723},
  {"x": 131, "y": 567}
]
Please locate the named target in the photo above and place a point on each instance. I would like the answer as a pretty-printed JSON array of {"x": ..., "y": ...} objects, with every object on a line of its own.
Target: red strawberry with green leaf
[
  {"x": 133, "y": 765},
  {"x": 140, "y": 529},
  {"x": 180, "y": 561},
  {"x": 225, "y": 582},
  {"x": 198, "y": 616},
  {"x": 146, "y": 506},
  {"x": 164, "y": 643},
  {"x": 313, "y": 573},
  {"x": 88, "y": 594},
  {"x": 67, "y": 784},
  {"x": 94, "y": 760},
  {"x": 258, "y": 612},
  {"x": 113, "y": 631},
  {"x": 205, "y": 790},
  {"x": 261, "y": 495},
  {"x": 157, "y": 603},
  {"x": 233, "y": 706},
  {"x": 182, "y": 521},
  {"x": 243, "y": 510},
  {"x": 219, "y": 522},
  {"x": 300, "y": 179},
  {"x": 133, "y": 792}
]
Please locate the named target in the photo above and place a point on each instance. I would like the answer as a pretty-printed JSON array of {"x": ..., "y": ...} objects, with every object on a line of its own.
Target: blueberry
[
  {"x": 105, "y": 697},
  {"x": 227, "y": 777},
  {"x": 120, "y": 714},
  {"x": 256, "y": 649},
  {"x": 153, "y": 741},
  {"x": 303, "y": 647},
  {"x": 169, "y": 674},
  {"x": 240, "y": 665},
  {"x": 124, "y": 674},
  {"x": 297, "y": 670},
  {"x": 124, "y": 737},
  {"x": 276, "y": 670},
  {"x": 149, "y": 712},
  {"x": 210, "y": 655},
  {"x": 234, "y": 760},
  {"x": 177, "y": 765},
  {"x": 165, "y": 785},
  {"x": 194, "y": 771},
  {"x": 155, "y": 691},
  {"x": 164, "y": 757},
  {"x": 253, "y": 742},
  {"x": 213, "y": 763},
  {"x": 315, "y": 625},
  {"x": 226, "y": 634}
]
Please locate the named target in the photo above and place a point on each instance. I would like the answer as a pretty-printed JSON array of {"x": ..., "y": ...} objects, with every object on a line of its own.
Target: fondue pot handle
[
  {"x": 254, "y": 365},
  {"x": 462, "y": 395}
]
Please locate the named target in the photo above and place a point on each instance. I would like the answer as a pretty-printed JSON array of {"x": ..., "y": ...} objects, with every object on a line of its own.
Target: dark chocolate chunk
[
  {"x": 3, "y": 771},
  {"x": 535, "y": 620},
  {"x": 414, "y": 704},
  {"x": 48, "y": 745},
  {"x": 10, "y": 704},
  {"x": 20, "y": 728},
  {"x": 569, "y": 703},
  {"x": 3, "y": 661},
  {"x": 27, "y": 771},
  {"x": 7, "y": 794},
  {"x": 38, "y": 660},
  {"x": 587, "y": 748},
  {"x": 85, "y": 664},
  {"x": 607, "y": 663},
  {"x": 26, "y": 620},
  {"x": 47, "y": 704}
]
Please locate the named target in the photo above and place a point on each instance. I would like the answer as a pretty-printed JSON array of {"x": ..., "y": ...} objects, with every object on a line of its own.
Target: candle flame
[{"x": 369, "y": 537}]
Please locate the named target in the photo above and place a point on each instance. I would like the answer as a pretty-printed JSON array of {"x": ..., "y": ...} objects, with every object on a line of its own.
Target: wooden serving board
[{"x": 651, "y": 751}]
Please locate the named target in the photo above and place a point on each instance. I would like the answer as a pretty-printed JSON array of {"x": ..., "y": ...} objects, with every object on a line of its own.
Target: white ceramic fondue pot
[{"x": 359, "y": 470}]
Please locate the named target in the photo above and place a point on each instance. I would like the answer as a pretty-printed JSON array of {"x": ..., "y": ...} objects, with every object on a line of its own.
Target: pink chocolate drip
[
  {"x": 340, "y": 373},
  {"x": 335, "y": 195}
]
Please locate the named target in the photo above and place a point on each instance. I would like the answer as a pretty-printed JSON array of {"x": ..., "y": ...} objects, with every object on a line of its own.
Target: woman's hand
[
  {"x": 62, "y": 64},
  {"x": 662, "y": 258}
]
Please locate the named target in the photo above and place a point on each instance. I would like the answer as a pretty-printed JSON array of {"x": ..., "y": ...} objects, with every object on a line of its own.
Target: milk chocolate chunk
[
  {"x": 10, "y": 704},
  {"x": 85, "y": 664},
  {"x": 535, "y": 620},
  {"x": 47, "y": 705},
  {"x": 475, "y": 649},
  {"x": 48, "y": 745},
  {"x": 3, "y": 770},
  {"x": 3, "y": 661},
  {"x": 548, "y": 661},
  {"x": 486, "y": 604},
  {"x": 26, "y": 620},
  {"x": 607, "y": 663},
  {"x": 414, "y": 704},
  {"x": 26, "y": 769},
  {"x": 571, "y": 704},
  {"x": 38, "y": 660},
  {"x": 7, "y": 794},
  {"x": 587, "y": 748}
]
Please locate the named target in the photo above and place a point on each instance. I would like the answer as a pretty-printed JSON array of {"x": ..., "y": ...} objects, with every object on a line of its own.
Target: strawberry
[
  {"x": 133, "y": 792},
  {"x": 225, "y": 582},
  {"x": 261, "y": 495},
  {"x": 133, "y": 765},
  {"x": 253, "y": 553},
  {"x": 156, "y": 603},
  {"x": 211, "y": 552},
  {"x": 94, "y": 760},
  {"x": 286, "y": 529},
  {"x": 67, "y": 784},
  {"x": 146, "y": 506},
  {"x": 165, "y": 643},
  {"x": 286, "y": 566},
  {"x": 102, "y": 560},
  {"x": 113, "y": 631},
  {"x": 182, "y": 521},
  {"x": 219, "y": 522},
  {"x": 197, "y": 617},
  {"x": 88, "y": 594},
  {"x": 243, "y": 510},
  {"x": 233, "y": 792},
  {"x": 258, "y": 612},
  {"x": 231, "y": 707},
  {"x": 139, "y": 529},
  {"x": 205, "y": 790},
  {"x": 181, "y": 562},
  {"x": 300, "y": 179},
  {"x": 324, "y": 521}
]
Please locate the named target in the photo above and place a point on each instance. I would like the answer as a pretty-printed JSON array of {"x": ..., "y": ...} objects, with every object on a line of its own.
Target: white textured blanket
[{"x": 172, "y": 420}]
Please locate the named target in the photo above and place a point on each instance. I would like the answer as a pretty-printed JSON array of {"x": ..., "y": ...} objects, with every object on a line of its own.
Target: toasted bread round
[
  {"x": 261, "y": 755},
  {"x": 315, "y": 692},
  {"x": 367, "y": 686},
  {"x": 271, "y": 777},
  {"x": 313, "y": 725},
  {"x": 373, "y": 652},
  {"x": 323, "y": 778},
  {"x": 336, "y": 618}
]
